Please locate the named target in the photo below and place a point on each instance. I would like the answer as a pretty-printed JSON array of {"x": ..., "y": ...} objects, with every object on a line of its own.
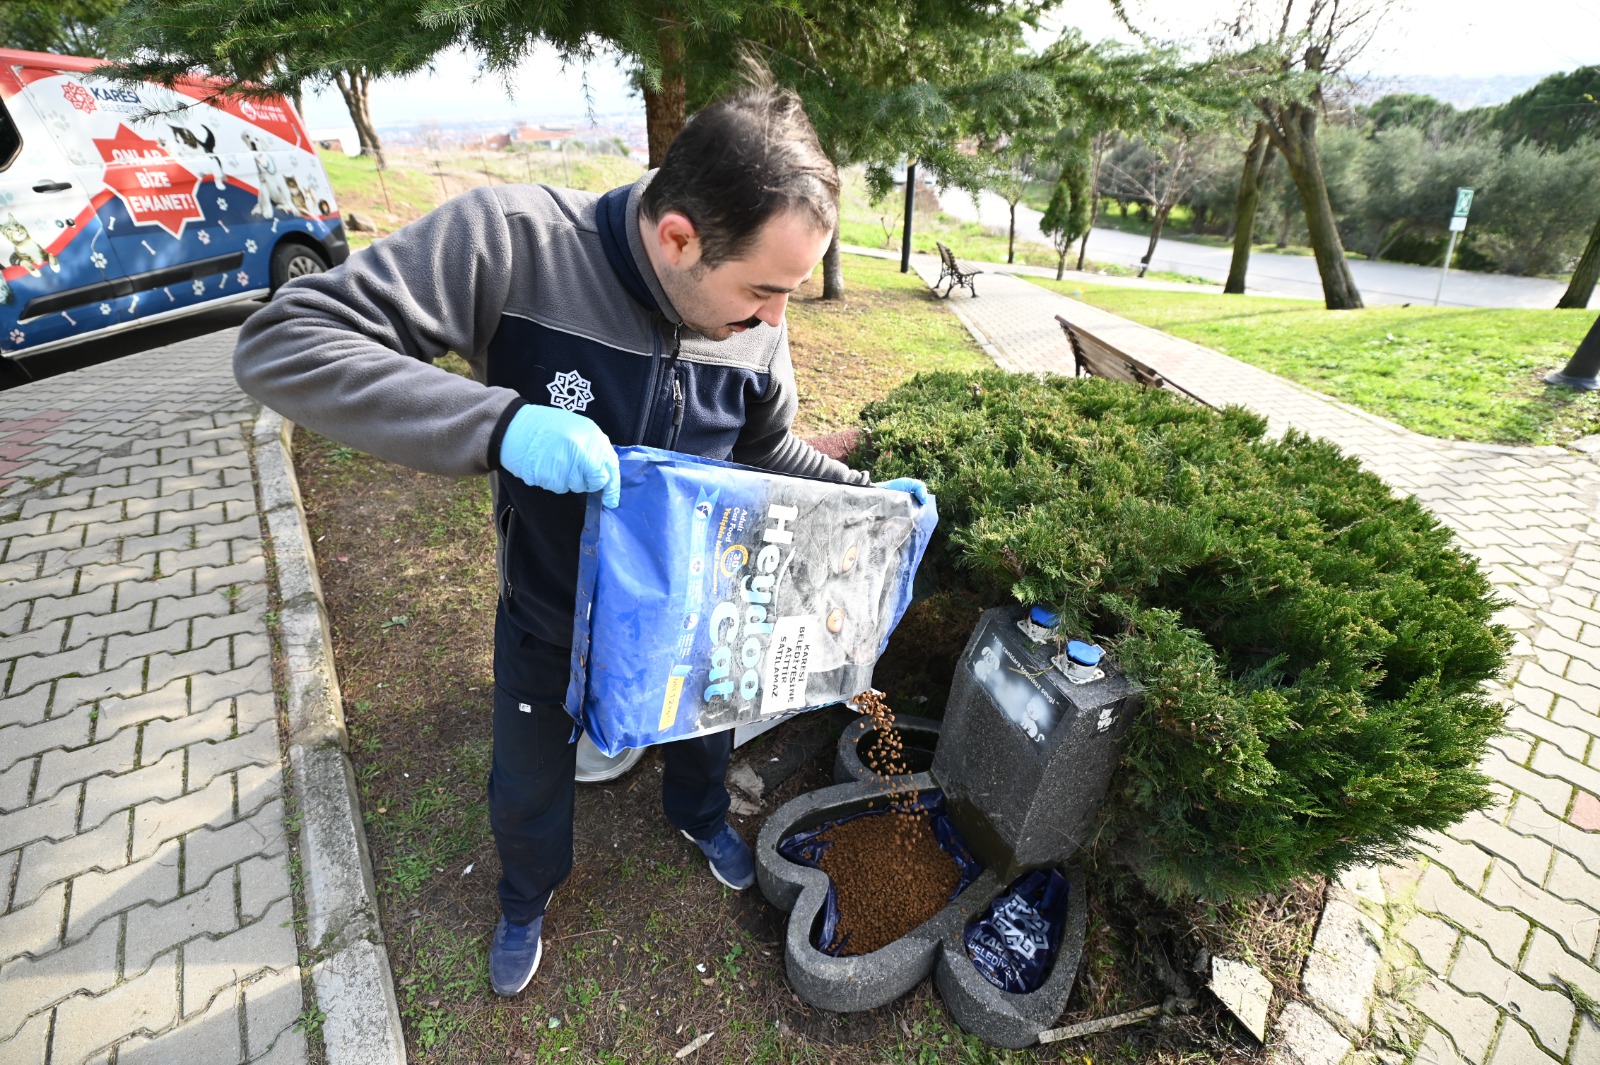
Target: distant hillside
[{"x": 1460, "y": 90}]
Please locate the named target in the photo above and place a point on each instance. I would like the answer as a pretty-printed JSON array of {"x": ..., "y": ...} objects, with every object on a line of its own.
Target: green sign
[{"x": 1463, "y": 202}]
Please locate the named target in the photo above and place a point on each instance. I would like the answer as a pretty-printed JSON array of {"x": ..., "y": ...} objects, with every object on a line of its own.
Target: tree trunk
[
  {"x": 1157, "y": 223},
  {"x": 1011, "y": 236},
  {"x": 832, "y": 271},
  {"x": 1101, "y": 141},
  {"x": 1244, "y": 214},
  {"x": 1581, "y": 288},
  {"x": 664, "y": 107},
  {"x": 353, "y": 83},
  {"x": 1294, "y": 130}
]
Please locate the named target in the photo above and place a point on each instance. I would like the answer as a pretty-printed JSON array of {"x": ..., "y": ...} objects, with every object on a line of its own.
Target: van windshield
[{"x": 10, "y": 139}]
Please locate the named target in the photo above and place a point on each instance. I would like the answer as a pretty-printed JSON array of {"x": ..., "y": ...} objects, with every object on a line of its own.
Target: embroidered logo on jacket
[{"x": 570, "y": 391}]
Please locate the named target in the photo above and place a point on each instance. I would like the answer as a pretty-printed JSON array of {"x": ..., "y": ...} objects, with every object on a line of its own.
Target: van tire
[
  {"x": 290, "y": 260},
  {"x": 13, "y": 373}
]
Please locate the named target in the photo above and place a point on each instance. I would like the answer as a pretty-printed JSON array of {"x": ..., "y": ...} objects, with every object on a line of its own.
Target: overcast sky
[{"x": 1475, "y": 38}]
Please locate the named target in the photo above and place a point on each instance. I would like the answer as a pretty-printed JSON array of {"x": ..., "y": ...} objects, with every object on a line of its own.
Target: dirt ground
[{"x": 644, "y": 951}]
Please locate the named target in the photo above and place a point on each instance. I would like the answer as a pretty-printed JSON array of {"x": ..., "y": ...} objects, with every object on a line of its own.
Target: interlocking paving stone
[
  {"x": 59, "y": 767},
  {"x": 1548, "y": 1013},
  {"x": 97, "y": 896},
  {"x": 107, "y": 796},
  {"x": 33, "y": 927},
  {"x": 211, "y": 1036},
  {"x": 31, "y": 1044},
  {"x": 47, "y": 862},
  {"x": 210, "y": 965},
  {"x": 258, "y": 747},
  {"x": 1516, "y": 1047},
  {"x": 146, "y": 1003},
  {"x": 1577, "y": 926},
  {"x": 156, "y": 822},
  {"x": 28, "y": 985},
  {"x": 262, "y": 833},
  {"x": 272, "y": 1004},
  {"x": 156, "y": 928},
  {"x": 1469, "y": 1021}
]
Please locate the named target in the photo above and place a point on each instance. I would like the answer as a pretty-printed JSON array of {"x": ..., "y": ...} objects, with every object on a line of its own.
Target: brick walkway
[
  {"x": 145, "y": 896},
  {"x": 1507, "y": 905}
]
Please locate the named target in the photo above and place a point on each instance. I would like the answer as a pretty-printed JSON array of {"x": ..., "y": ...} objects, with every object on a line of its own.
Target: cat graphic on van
[{"x": 26, "y": 252}]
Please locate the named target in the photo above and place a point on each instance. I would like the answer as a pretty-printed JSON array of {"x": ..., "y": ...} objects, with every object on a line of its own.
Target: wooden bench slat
[{"x": 1094, "y": 357}]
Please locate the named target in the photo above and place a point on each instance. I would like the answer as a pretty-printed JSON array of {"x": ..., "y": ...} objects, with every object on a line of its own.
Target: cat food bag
[{"x": 718, "y": 595}]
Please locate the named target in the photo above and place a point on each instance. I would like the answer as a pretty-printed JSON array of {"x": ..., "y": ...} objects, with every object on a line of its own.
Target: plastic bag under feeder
[
  {"x": 1014, "y": 941},
  {"x": 808, "y": 847},
  {"x": 718, "y": 595}
]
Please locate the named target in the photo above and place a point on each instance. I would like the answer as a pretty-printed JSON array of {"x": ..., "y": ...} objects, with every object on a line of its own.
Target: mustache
[{"x": 749, "y": 323}]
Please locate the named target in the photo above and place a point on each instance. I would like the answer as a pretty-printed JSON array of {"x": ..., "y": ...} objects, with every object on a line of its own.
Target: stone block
[
  {"x": 1342, "y": 965},
  {"x": 262, "y": 882},
  {"x": 258, "y": 747},
  {"x": 59, "y": 768},
  {"x": 338, "y": 879},
  {"x": 42, "y": 641},
  {"x": 272, "y": 1004},
  {"x": 51, "y": 608},
  {"x": 1553, "y": 763},
  {"x": 47, "y": 862},
  {"x": 1503, "y": 931},
  {"x": 1470, "y": 1021},
  {"x": 1548, "y": 1013},
  {"x": 146, "y": 1003},
  {"x": 207, "y": 578},
  {"x": 119, "y": 530},
  {"x": 1576, "y": 925},
  {"x": 208, "y": 689},
  {"x": 210, "y": 1036},
  {"x": 41, "y": 669},
  {"x": 1433, "y": 940},
  {"x": 154, "y": 929},
  {"x": 164, "y": 702},
  {"x": 14, "y": 785},
  {"x": 98, "y": 896},
  {"x": 193, "y": 730},
  {"x": 1467, "y": 863},
  {"x": 1516, "y": 1047},
  {"x": 356, "y": 990},
  {"x": 124, "y": 681},
  {"x": 211, "y": 965},
  {"x": 209, "y": 514},
  {"x": 156, "y": 822},
  {"x": 1552, "y": 793},
  {"x": 28, "y": 1044},
  {"x": 33, "y": 928},
  {"x": 180, "y": 585},
  {"x": 104, "y": 797},
  {"x": 215, "y": 657},
  {"x": 1302, "y": 1037},
  {"x": 33, "y": 984},
  {"x": 261, "y": 834},
  {"x": 29, "y": 708},
  {"x": 173, "y": 608},
  {"x": 171, "y": 639},
  {"x": 194, "y": 555},
  {"x": 53, "y": 819}
]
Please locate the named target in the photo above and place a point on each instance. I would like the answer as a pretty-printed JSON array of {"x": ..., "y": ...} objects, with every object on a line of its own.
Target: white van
[{"x": 123, "y": 204}]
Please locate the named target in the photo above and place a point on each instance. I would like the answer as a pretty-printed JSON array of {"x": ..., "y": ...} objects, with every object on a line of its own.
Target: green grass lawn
[{"x": 1467, "y": 374}]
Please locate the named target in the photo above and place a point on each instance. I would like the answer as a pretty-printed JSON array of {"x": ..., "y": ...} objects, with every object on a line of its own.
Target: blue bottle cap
[
  {"x": 1085, "y": 654},
  {"x": 1042, "y": 617}
]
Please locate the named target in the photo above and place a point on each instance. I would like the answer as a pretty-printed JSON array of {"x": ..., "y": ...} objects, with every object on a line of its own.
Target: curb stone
[
  {"x": 1341, "y": 971},
  {"x": 350, "y": 972}
]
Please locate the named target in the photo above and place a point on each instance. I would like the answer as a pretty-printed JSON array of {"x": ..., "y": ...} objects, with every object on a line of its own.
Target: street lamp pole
[{"x": 905, "y": 231}]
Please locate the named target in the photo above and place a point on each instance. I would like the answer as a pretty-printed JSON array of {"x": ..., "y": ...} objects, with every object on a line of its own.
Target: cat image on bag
[{"x": 27, "y": 252}]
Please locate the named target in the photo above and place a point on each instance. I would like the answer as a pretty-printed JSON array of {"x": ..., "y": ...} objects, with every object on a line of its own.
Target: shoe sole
[{"x": 720, "y": 878}]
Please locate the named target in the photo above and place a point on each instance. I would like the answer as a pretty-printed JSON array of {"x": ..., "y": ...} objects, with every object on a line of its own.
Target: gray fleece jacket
[{"x": 550, "y": 297}]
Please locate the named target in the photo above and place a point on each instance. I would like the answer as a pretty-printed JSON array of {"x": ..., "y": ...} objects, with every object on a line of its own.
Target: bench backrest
[
  {"x": 1094, "y": 357},
  {"x": 945, "y": 255}
]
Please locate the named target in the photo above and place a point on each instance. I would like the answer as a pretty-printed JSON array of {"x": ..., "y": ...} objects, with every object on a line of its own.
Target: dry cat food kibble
[{"x": 890, "y": 875}]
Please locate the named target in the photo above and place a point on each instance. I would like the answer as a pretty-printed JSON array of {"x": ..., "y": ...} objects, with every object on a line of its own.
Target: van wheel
[
  {"x": 13, "y": 373},
  {"x": 290, "y": 261}
]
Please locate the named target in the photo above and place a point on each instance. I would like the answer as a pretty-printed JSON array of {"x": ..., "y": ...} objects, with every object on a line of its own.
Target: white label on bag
[{"x": 788, "y": 662}]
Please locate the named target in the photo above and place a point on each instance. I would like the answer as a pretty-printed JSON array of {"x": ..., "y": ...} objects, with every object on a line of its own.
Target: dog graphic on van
[
  {"x": 272, "y": 195},
  {"x": 26, "y": 252}
]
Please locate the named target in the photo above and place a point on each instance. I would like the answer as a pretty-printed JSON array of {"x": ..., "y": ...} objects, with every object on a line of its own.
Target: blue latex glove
[
  {"x": 552, "y": 448},
  {"x": 911, "y": 485}
]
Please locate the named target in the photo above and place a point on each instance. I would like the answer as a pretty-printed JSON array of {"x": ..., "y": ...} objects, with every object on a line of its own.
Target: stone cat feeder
[{"x": 1024, "y": 757}]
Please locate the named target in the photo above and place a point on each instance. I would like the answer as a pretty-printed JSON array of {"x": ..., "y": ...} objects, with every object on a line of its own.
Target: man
[{"x": 650, "y": 315}]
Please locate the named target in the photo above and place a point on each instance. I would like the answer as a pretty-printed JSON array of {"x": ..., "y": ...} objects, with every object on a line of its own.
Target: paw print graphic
[
  {"x": 199, "y": 286},
  {"x": 205, "y": 238},
  {"x": 105, "y": 308},
  {"x": 18, "y": 336},
  {"x": 250, "y": 246},
  {"x": 98, "y": 260},
  {"x": 222, "y": 203},
  {"x": 243, "y": 278}
]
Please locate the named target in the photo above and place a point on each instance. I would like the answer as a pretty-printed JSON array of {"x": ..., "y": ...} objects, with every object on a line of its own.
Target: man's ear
[{"x": 678, "y": 240}]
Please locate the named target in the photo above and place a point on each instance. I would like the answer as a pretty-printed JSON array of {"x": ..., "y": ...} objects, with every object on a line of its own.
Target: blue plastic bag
[
  {"x": 807, "y": 848},
  {"x": 716, "y": 595},
  {"x": 1013, "y": 943}
]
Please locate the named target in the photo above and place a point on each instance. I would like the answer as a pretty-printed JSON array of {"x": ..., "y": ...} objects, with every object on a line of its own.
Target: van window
[{"x": 10, "y": 139}]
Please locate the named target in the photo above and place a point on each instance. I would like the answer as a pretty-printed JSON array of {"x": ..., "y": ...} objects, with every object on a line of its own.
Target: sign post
[{"x": 1458, "y": 224}]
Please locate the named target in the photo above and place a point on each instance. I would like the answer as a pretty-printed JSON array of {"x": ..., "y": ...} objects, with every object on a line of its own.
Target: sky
[{"x": 1431, "y": 38}]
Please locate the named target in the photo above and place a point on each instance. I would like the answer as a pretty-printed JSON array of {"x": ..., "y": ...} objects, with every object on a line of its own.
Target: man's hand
[
  {"x": 558, "y": 450},
  {"x": 915, "y": 488}
]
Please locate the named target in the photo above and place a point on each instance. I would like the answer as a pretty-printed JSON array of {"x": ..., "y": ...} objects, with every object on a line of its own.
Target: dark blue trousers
[{"x": 531, "y": 785}]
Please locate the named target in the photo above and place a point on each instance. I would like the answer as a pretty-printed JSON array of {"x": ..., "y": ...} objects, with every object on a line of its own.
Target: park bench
[
  {"x": 1093, "y": 357},
  {"x": 956, "y": 270}
]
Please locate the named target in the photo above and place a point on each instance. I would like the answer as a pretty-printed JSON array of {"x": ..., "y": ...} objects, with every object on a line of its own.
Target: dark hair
[{"x": 739, "y": 162}]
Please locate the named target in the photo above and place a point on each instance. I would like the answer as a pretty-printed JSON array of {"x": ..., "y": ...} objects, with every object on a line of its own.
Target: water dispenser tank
[{"x": 1032, "y": 734}]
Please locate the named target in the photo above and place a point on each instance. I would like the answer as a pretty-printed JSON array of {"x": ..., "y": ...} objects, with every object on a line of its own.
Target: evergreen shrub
[{"x": 1313, "y": 649}]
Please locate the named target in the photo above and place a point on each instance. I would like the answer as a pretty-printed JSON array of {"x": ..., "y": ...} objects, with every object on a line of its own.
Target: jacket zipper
[
  {"x": 677, "y": 408},
  {"x": 674, "y": 390}
]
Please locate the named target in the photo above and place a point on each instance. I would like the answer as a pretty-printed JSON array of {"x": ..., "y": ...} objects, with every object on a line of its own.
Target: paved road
[
  {"x": 146, "y": 909},
  {"x": 1285, "y": 275},
  {"x": 1507, "y": 904}
]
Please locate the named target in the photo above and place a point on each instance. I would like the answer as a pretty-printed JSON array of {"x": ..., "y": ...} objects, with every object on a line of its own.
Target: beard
[{"x": 683, "y": 289}]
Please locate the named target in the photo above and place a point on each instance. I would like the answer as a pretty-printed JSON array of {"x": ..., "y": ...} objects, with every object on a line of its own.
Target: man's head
[{"x": 741, "y": 211}]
